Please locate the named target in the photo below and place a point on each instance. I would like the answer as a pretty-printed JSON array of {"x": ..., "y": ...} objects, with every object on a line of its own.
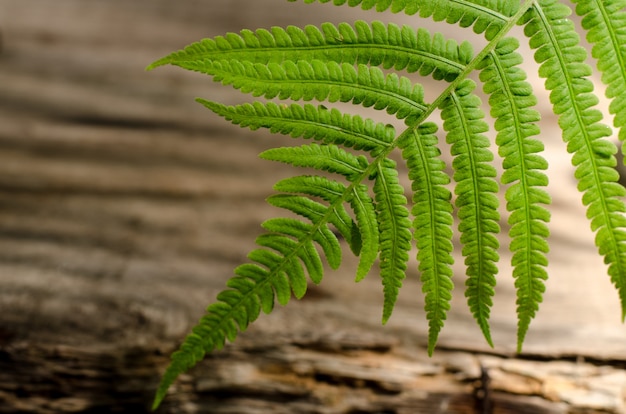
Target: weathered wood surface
[{"x": 124, "y": 207}]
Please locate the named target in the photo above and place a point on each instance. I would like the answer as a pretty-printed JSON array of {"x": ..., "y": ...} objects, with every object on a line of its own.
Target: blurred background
[{"x": 125, "y": 206}]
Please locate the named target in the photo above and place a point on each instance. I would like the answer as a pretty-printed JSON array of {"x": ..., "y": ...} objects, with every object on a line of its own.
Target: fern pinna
[{"x": 364, "y": 202}]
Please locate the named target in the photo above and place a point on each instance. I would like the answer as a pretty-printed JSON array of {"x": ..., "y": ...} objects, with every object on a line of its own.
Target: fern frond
[
  {"x": 329, "y": 126},
  {"x": 561, "y": 61},
  {"x": 376, "y": 44},
  {"x": 364, "y": 201},
  {"x": 511, "y": 101},
  {"x": 395, "y": 236},
  {"x": 484, "y": 16},
  {"x": 476, "y": 200},
  {"x": 605, "y": 22},
  {"x": 323, "y": 81},
  {"x": 432, "y": 210}
]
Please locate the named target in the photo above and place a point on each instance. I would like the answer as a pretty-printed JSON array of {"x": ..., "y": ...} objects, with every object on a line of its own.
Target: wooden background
[{"x": 124, "y": 207}]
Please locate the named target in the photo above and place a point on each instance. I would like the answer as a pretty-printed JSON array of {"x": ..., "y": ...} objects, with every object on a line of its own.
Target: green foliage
[
  {"x": 476, "y": 201},
  {"x": 357, "y": 197}
]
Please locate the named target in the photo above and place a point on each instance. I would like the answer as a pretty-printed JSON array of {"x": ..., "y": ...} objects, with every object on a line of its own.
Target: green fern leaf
[
  {"x": 376, "y": 44},
  {"x": 561, "y": 60},
  {"x": 605, "y": 22},
  {"x": 432, "y": 210},
  {"x": 323, "y": 81},
  {"x": 308, "y": 121},
  {"x": 476, "y": 200},
  {"x": 300, "y": 205},
  {"x": 485, "y": 16},
  {"x": 322, "y": 157},
  {"x": 511, "y": 100},
  {"x": 395, "y": 236}
]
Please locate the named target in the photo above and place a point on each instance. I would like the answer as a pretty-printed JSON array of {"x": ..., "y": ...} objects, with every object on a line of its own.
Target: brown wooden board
[{"x": 125, "y": 206}]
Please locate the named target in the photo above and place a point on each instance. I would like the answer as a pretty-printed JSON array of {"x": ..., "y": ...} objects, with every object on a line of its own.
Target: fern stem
[
  {"x": 434, "y": 244},
  {"x": 471, "y": 67}
]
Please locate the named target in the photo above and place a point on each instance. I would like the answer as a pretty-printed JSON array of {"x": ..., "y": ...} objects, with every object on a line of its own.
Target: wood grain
[{"x": 124, "y": 207}]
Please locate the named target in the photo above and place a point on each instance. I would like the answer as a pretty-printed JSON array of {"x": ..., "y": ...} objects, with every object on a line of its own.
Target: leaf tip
[
  {"x": 521, "y": 336},
  {"x": 487, "y": 334},
  {"x": 431, "y": 349},
  {"x": 386, "y": 316},
  {"x": 158, "y": 398},
  {"x": 161, "y": 62}
]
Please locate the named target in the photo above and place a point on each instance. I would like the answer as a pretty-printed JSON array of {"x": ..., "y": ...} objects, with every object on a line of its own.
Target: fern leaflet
[
  {"x": 475, "y": 189},
  {"x": 511, "y": 100},
  {"x": 485, "y": 16},
  {"x": 323, "y": 81},
  {"x": 391, "y": 46},
  {"x": 308, "y": 121},
  {"x": 561, "y": 60},
  {"x": 432, "y": 210},
  {"x": 606, "y": 25},
  {"x": 395, "y": 236}
]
